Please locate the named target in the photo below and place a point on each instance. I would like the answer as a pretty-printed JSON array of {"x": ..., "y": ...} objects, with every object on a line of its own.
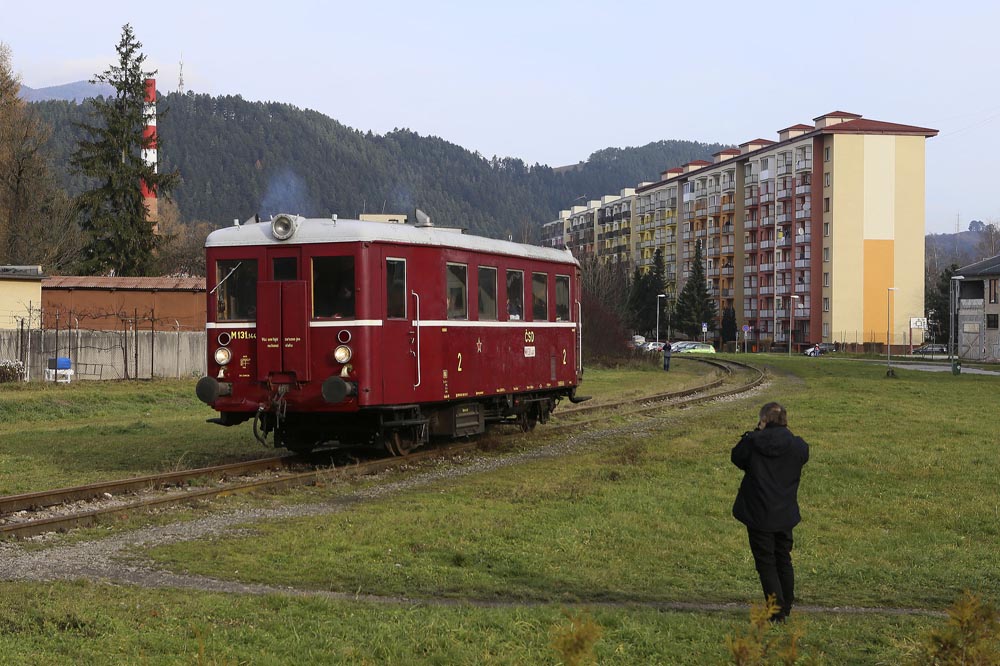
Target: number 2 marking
[
  {"x": 460, "y": 361},
  {"x": 564, "y": 357}
]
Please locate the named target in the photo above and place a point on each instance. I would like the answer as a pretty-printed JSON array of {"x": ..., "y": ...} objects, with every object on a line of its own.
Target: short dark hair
[{"x": 773, "y": 414}]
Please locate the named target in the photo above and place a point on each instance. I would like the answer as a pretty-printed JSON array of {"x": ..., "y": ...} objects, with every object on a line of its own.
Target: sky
[{"x": 553, "y": 81}]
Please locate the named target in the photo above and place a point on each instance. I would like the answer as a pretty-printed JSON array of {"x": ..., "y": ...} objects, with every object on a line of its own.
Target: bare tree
[
  {"x": 989, "y": 240},
  {"x": 37, "y": 220},
  {"x": 181, "y": 248}
]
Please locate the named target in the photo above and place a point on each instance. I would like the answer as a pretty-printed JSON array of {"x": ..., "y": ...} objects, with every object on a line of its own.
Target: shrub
[
  {"x": 11, "y": 370},
  {"x": 575, "y": 643},
  {"x": 970, "y": 637}
]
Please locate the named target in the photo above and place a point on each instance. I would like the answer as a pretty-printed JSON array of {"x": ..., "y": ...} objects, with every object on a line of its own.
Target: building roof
[
  {"x": 866, "y": 126},
  {"x": 122, "y": 283},
  {"x": 838, "y": 114},
  {"x": 989, "y": 266},
  {"x": 21, "y": 273}
]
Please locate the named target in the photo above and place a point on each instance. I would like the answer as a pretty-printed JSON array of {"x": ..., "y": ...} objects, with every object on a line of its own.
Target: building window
[
  {"x": 826, "y": 228},
  {"x": 991, "y": 320},
  {"x": 826, "y": 330},
  {"x": 826, "y": 254},
  {"x": 826, "y": 179},
  {"x": 826, "y": 154},
  {"x": 826, "y": 204},
  {"x": 993, "y": 290},
  {"x": 826, "y": 304},
  {"x": 826, "y": 279}
]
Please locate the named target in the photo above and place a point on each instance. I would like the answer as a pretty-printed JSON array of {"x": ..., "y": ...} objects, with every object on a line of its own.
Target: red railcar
[{"x": 388, "y": 334}]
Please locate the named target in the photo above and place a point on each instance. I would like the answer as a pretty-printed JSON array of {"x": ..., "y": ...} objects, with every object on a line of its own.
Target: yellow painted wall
[
  {"x": 877, "y": 236},
  {"x": 15, "y": 295}
]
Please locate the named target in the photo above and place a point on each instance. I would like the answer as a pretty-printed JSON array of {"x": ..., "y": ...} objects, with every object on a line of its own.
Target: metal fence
[{"x": 128, "y": 354}]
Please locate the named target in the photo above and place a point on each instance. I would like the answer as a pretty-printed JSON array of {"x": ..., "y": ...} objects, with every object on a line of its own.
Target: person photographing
[{"x": 771, "y": 457}]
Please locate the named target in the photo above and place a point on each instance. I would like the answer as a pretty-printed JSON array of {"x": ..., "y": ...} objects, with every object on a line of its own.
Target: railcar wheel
[
  {"x": 527, "y": 421},
  {"x": 397, "y": 445}
]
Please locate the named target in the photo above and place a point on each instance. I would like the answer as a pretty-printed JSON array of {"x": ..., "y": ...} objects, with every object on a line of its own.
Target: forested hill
[{"x": 237, "y": 158}]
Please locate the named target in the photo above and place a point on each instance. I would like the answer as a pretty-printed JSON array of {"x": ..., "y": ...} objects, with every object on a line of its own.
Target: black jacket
[{"x": 772, "y": 460}]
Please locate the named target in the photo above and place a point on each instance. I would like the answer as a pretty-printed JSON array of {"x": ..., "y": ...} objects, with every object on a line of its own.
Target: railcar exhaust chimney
[{"x": 421, "y": 219}]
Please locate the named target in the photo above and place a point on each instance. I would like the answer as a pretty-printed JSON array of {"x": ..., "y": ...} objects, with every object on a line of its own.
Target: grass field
[{"x": 900, "y": 503}]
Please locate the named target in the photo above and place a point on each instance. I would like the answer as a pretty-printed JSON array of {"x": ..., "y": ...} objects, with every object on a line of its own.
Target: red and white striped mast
[{"x": 149, "y": 152}]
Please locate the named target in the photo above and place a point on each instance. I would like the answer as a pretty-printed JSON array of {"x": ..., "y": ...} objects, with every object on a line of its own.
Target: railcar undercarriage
[{"x": 401, "y": 428}]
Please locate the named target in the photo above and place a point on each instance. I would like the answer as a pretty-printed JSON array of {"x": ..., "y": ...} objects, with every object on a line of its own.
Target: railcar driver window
[
  {"x": 395, "y": 289},
  {"x": 457, "y": 291},
  {"x": 487, "y": 293},
  {"x": 236, "y": 290},
  {"x": 539, "y": 296},
  {"x": 515, "y": 295},
  {"x": 562, "y": 298},
  {"x": 333, "y": 287}
]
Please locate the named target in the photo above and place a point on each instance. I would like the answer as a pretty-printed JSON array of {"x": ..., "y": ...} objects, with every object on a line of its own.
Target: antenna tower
[{"x": 180, "y": 77}]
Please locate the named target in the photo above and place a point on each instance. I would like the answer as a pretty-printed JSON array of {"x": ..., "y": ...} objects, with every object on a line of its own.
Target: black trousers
[{"x": 772, "y": 556}]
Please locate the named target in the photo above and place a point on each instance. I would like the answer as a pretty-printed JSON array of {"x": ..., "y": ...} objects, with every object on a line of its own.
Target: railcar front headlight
[
  {"x": 283, "y": 226},
  {"x": 342, "y": 354},
  {"x": 223, "y": 355}
]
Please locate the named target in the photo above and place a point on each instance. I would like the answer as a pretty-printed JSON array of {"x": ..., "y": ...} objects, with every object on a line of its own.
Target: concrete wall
[{"x": 109, "y": 354}]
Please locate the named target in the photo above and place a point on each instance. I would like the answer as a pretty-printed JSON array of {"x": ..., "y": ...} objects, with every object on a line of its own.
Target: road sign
[
  {"x": 704, "y": 327},
  {"x": 918, "y": 322},
  {"x": 746, "y": 328}
]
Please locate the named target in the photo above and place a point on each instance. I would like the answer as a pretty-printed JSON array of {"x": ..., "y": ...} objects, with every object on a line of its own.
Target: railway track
[{"x": 17, "y": 512}]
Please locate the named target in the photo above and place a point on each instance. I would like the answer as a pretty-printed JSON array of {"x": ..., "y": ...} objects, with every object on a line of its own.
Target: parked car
[
  {"x": 819, "y": 348},
  {"x": 697, "y": 348},
  {"x": 680, "y": 346},
  {"x": 654, "y": 346},
  {"x": 930, "y": 350},
  {"x": 812, "y": 350}
]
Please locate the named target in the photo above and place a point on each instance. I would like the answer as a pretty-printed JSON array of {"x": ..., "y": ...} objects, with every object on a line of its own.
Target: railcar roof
[{"x": 323, "y": 230}]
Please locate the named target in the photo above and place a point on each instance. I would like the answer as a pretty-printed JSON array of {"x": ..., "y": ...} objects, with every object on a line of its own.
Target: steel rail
[{"x": 45, "y": 498}]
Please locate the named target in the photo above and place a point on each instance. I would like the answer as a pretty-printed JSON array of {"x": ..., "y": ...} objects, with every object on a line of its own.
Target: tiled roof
[
  {"x": 838, "y": 114},
  {"x": 989, "y": 266},
  {"x": 135, "y": 283}
]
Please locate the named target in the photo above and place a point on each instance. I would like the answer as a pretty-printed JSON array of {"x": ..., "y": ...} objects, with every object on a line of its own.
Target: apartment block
[{"x": 815, "y": 236}]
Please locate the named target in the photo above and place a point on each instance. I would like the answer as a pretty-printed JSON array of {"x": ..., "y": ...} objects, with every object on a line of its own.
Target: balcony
[
  {"x": 766, "y": 197},
  {"x": 712, "y": 252},
  {"x": 700, "y": 233},
  {"x": 802, "y": 165},
  {"x": 749, "y": 179},
  {"x": 728, "y": 207},
  {"x": 766, "y": 244},
  {"x": 785, "y": 168},
  {"x": 803, "y": 189},
  {"x": 713, "y": 210},
  {"x": 802, "y": 288},
  {"x": 785, "y": 194},
  {"x": 686, "y": 235},
  {"x": 783, "y": 266},
  {"x": 750, "y": 247},
  {"x": 766, "y": 291},
  {"x": 749, "y": 270},
  {"x": 803, "y": 213},
  {"x": 749, "y": 291},
  {"x": 713, "y": 272},
  {"x": 767, "y": 221},
  {"x": 765, "y": 314},
  {"x": 785, "y": 241},
  {"x": 729, "y": 186},
  {"x": 750, "y": 201},
  {"x": 749, "y": 223},
  {"x": 767, "y": 268},
  {"x": 783, "y": 289},
  {"x": 727, "y": 249},
  {"x": 803, "y": 263},
  {"x": 784, "y": 218}
]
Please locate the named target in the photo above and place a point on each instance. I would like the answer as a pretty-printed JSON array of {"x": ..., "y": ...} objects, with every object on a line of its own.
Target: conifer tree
[
  {"x": 113, "y": 212},
  {"x": 695, "y": 305}
]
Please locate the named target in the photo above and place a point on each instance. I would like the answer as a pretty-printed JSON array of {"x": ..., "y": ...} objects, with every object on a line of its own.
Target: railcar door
[
  {"x": 283, "y": 319},
  {"x": 401, "y": 362}
]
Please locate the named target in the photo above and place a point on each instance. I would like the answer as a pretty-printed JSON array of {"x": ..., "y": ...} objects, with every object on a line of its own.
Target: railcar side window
[
  {"x": 333, "y": 287},
  {"x": 487, "y": 293},
  {"x": 539, "y": 296},
  {"x": 562, "y": 298},
  {"x": 457, "y": 291},
  {"x": 515, "y": 294},
  {"x": 395, "y": 288},
  {"x": 236, "y": 290}
]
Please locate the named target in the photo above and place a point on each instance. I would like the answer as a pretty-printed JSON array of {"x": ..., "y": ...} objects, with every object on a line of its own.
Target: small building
[
  {"x": 977, "y": 303},
  {"x": 20, "y": 295},
  {"x": 121, "y": 303}
]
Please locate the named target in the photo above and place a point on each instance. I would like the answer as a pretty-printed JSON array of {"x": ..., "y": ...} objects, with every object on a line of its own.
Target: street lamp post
[
  {"x": 952, "y": 312},
  {"x": 658, "y": 297},
  {"x": 888, "y": 331},
  {"x": 791, "y": 321}
]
